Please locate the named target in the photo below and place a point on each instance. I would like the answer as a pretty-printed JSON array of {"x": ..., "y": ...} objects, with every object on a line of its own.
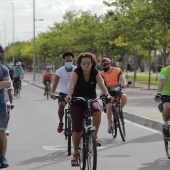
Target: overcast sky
[{"x": 49, "y": 10}]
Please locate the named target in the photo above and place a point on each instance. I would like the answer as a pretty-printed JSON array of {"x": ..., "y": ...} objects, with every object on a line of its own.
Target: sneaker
[
  {"x": 98, "y": 143},
  {"x": 60, "y": 127},
  {"x": 109, "y": 128},
  {"x": 165, "y": 130},
  {"x": 7, "y": 132},
  {"x": 4, "y": 162},
  {"x": 44, "y": 93}
]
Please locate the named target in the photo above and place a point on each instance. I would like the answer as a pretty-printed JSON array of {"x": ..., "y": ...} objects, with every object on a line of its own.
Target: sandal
[
  {"x": 98, "y": 143},
  {"x": 74, "y": 161}
]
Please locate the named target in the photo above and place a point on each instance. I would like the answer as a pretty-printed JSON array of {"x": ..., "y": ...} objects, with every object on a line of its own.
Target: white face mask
[{"x": 68, "y": 64}]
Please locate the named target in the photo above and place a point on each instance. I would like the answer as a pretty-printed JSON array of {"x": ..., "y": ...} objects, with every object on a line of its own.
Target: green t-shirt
[
  {"x": 165, "y": 74},
  {"x": 18, "y": 71}
]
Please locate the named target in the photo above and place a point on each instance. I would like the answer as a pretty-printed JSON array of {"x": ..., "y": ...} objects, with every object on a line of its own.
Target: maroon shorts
[{"x": 77, "y": 115}]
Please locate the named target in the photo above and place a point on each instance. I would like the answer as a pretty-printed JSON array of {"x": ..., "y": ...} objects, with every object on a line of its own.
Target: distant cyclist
[
  {"x": 47, "y": 77},
  {"x": 18, "y": 74},
  {"x": 113, "y": 76},
  {"x": 62, "y": 77},
  {"x": 164, "y": 96}
]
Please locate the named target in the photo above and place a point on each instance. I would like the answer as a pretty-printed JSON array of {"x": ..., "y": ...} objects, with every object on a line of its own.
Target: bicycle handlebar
[
  {"x": 119, "y": 88},
  {"x": 85, "y": 99}
]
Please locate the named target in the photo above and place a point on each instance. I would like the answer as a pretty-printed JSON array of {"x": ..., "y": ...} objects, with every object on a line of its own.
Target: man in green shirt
[{"x": 164, "y": 96}]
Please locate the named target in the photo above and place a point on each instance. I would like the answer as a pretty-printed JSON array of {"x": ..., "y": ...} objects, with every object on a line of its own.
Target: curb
[{"x": 143, "y": 121}]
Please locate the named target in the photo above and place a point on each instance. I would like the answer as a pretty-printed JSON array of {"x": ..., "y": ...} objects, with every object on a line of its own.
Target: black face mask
[{"x": 105, "y": 69}]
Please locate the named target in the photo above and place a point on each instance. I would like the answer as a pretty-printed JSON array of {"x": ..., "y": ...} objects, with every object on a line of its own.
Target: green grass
[{"x": 144, "y": 79}]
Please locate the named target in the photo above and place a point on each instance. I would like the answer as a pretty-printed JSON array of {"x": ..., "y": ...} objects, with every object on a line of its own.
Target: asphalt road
[{"x": 34, "y": 144}]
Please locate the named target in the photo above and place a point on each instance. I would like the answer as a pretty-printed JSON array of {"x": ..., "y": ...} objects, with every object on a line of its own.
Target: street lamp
[
  {"x": 5, "y": 40},
  {"x": 34, "y": 53},
  {"x": 13, "y": 35}
]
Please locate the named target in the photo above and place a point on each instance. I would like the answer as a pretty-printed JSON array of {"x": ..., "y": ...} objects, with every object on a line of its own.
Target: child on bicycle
[{"x": 112, "y": 77}]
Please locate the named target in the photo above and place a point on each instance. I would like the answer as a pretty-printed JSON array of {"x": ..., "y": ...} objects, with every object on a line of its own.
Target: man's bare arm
[
  {"x": 5, "y": 83},
  {"x": 55, "y": 84}
]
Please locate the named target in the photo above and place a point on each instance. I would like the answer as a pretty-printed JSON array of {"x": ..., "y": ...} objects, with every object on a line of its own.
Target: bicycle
[
  {"x": 166, "y": 138},
  {"x": 67, "y": 126},
  {"x": 87, "y": 147},
  {"x": 117, "y": 112},
  {"x": 47, "y": 89},
  {"x": 18, "y": 89}
]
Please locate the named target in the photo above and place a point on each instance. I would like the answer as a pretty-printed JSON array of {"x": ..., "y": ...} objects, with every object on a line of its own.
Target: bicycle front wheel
[
  {"x": 114, "y": 124},
  {"x": 121, "y": 123},
  {"x": 91, "y": 152},
  {"x": 18, "y": 93},
  {"x": 47, "y": 92},
  {"x": 69, "y": 135},
  {"x": 82, "y": 153},
  {"x": 167, "y": 146}
]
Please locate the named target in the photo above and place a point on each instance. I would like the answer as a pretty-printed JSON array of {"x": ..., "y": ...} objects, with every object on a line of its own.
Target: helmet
[
  {"x": 1, "y": 49},
  {"x": 18, "y": 63},
  {"x": 105, "y": 61},
  {"x": 67, "y": 54},
  {"x": 47, "y": 67}
]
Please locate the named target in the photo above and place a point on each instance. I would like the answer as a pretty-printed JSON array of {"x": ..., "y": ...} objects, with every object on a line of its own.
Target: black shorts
[
  {"x": 62, "y": 96},
  {"x": 165, "y": 99},
  {"x": 45, "y": 81},
  {"x": 16, "y": 79}
]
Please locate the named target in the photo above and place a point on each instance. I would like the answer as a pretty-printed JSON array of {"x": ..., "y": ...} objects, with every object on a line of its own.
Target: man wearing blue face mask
[{"x": 62, "y": 77}]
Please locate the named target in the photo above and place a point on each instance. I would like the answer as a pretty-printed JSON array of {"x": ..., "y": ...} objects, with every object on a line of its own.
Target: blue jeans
[{"x": 3, "y": 112}]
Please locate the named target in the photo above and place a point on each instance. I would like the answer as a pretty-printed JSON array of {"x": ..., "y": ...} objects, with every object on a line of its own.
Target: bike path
[{"x": 140, "y": 108}]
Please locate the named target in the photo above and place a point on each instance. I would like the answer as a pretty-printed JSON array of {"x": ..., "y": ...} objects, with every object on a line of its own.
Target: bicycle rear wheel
[
  {"x": 69, "y": 135},
  {"x": 114, "y": 124},
  {"x": 82, "y": 153},
  {"x": 92, "y": 152},
  {"x": 18, "y": 93},
  {"x": 47, "y": 92},
  {"x": 167, "y": 146},
  {"x": 121, "y": 123}
]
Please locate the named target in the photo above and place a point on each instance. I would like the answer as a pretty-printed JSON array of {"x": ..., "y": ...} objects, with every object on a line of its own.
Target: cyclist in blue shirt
[{"x": 18, "y": 74}]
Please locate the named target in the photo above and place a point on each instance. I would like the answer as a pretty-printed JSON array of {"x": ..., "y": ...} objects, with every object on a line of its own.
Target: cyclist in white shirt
[{"x": 62, "y": 77}]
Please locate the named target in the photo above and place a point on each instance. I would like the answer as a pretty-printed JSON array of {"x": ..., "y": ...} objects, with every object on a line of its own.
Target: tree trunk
[
  {"x": 149, "y": 66},
  {"x": 135, "y": 66},
  {"x": 164, "y": 54}
]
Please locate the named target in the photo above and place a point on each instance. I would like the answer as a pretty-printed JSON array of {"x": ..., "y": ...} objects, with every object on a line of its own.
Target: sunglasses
[
  {"x": 104, "y": 66},
  {"x": 84, "y": 63}
]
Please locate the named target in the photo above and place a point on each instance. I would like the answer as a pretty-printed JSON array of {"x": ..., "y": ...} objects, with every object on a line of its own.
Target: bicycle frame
[
  {"x": 68, "y": 126},
  {"x": 117, "y": 112},
  {"x": 87, "y": 148}
]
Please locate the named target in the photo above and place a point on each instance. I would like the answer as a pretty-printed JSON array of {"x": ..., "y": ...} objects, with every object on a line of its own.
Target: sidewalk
[{"x": 140, "y": 108}]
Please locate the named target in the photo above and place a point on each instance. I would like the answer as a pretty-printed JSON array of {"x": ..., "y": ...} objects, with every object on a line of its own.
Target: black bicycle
[
  {"x": 67, "y": 126},
  {"x": 87, "y": 148},
  {"x": 166, "y": 138},
  {"x": 68, "y": 129},
  {"x": 47, "y": 89},
  {"x": 18, "y": 89}
]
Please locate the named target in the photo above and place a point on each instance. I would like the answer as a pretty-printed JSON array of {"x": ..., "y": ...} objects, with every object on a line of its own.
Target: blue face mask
[{"x": 68, "y": 64}]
